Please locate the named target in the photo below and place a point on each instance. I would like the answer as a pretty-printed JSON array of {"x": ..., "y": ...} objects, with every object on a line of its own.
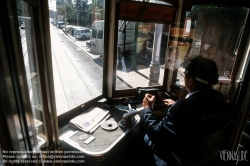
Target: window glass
[
  {"x": 100, "y": 35},
  {"x": 213, "y": 32},
  {"x": 153, "y": 1},
  {"x": 141, "y": 58},
  {"x": 94, "y": 32},
  {"x": 77, "y": 66},
  {"x": 26, "y": 24}
]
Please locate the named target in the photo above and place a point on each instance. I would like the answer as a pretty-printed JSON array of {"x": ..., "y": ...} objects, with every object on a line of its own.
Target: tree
[
  {"x": 65, "y": 8},
  {"x": 99, "y": 11},
  {"x": 81, "y": 7}
]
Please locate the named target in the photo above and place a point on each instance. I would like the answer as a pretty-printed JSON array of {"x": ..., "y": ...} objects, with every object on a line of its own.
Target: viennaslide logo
[{"x": 237, "y": 156}]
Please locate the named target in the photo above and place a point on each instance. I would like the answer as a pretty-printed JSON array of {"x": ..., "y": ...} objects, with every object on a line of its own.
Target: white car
[
  {"x": 67, "y": 27},
  {"x": 82, "y": 33}
]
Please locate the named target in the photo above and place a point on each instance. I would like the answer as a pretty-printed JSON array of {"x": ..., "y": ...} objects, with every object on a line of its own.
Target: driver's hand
[
  {"x": 148, "y": 101},
  {"x": 168, "y": 102}
]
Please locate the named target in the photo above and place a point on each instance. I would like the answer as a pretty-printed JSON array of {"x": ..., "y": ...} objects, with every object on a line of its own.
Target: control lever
[{"x": 128, "y": 118}]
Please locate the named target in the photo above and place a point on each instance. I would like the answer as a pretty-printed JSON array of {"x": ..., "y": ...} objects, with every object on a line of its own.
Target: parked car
[
  {"x": 54, "y": 22},
  {"x": 82, "y": 33},
  {"x": 72, "y": 29},
  {"x": 62, "y": 27},
  {"x": 60, "y": 24},
  {"x": 68, "y": 27}
]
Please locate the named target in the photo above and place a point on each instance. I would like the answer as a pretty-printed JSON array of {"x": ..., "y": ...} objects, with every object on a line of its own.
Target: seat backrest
[
  {"x": 209, "y": 151},
  {"x": 210, "y": 145}
]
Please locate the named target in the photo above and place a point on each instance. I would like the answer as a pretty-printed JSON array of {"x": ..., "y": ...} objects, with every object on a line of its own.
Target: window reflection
[
  {"x": 153, "y": 1},
  {"x": 216, "y": 35},
  {"x": 173, "y": 62},
  {"x": 141, "y": 62},
  {"x": 32, "y": 74}
]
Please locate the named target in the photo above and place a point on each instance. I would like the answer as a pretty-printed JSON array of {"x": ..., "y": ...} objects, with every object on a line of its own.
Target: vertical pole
[
  {"x": 65, "y": 28},
  {"x": 77, "y": 20},
  {"x": 135, "y": 47},
  {"x": 154, "y": 69}
]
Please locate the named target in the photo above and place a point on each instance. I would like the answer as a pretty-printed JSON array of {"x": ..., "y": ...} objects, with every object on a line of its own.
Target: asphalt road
[{"x": 77, "y": 76}]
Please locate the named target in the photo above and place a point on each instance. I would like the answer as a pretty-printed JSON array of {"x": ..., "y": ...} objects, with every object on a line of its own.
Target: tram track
[
  {"x": 90, "y": 91},
  {"x": 61, "y": 43}
]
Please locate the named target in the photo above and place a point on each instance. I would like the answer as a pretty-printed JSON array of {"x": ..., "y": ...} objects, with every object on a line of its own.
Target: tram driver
[{"x": 189, "y": 122}]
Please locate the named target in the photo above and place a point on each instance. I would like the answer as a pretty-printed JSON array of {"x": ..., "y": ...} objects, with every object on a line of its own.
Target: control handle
[
  {"x": 131, "y": 114},
  {"x": 128, "y": 118}
]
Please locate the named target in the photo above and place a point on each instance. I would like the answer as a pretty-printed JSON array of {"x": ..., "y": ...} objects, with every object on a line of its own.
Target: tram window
[
  {"x": 94, "y": 32},
  {"x": 30, "y": 56},
  {"x": 216, "y": 35},
  {"x": 136, "y": 56},
  {"x": 77, "y": 62},
  {"x": 100, "y": 35}
]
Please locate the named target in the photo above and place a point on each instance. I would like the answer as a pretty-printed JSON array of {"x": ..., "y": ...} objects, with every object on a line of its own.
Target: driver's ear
[{"x": 190, "y": 81}]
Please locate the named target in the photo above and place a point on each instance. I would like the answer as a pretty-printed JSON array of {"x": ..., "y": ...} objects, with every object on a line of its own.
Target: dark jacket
[{"x": 186, "y": 125}]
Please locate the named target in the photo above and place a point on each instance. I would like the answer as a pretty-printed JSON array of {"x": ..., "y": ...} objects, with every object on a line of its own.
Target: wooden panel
[
  {"x": 145, "y": 12},
  {"x": 177, "y": 37}
]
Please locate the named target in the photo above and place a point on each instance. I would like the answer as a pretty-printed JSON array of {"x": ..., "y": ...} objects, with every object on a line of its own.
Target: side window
[
  {"x": 141, "y": 39},
  {"x": 136, "y": 40},
  {"x": 100, "y": 35},
  {"x": 94, "y": 32},
  {"x": 211, "y": 38}
]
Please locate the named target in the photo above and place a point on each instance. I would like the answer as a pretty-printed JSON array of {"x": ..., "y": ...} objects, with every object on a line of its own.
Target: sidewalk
[{"x": 131, "y": 78}]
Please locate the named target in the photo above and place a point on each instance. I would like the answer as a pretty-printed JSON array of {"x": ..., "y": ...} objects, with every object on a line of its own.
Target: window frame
[
  {"x": 64, "y": 118},
  {"x": 112, "y": 91},
  {"x": 17, "y": 81},
  {"x": 109, "y": 58},
  {"x": 46, "y": 65}
]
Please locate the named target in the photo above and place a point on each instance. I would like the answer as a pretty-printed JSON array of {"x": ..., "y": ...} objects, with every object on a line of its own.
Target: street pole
[
  {"x": 154, "y": 69},
  {"x": 77, "y": 20},
  {"x": 65, "y": 28},
  {"x": 133, "y": 64}
]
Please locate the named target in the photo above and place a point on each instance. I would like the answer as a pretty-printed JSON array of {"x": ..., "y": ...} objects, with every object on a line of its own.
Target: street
[{"x": 77, "y": 75}]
